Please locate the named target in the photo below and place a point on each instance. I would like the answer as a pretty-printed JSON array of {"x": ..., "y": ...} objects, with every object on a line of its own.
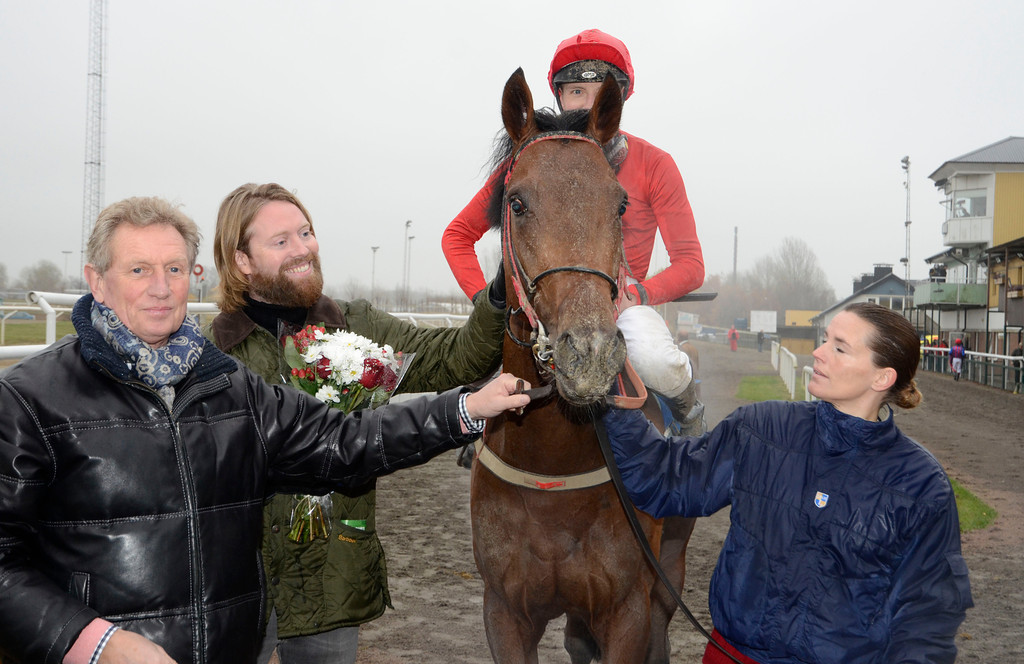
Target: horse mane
[{"x": 547, "y": 119}]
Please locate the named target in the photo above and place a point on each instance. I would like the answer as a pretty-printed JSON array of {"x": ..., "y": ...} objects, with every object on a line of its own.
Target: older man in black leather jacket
[{"x": 134, "y": 459}]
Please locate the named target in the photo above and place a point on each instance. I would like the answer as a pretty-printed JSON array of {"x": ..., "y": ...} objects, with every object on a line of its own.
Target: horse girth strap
[{"x": 513, "y": 475}]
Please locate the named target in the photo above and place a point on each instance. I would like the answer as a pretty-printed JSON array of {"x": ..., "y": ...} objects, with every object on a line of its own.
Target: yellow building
[{"x": 976, "y": 285}]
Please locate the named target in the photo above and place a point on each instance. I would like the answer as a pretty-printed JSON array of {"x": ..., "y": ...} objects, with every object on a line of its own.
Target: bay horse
[{"x": 550, "y": 536}]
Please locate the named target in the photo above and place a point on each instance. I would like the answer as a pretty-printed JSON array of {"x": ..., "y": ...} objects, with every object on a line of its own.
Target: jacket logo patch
[{"x": 820, "y": 499}]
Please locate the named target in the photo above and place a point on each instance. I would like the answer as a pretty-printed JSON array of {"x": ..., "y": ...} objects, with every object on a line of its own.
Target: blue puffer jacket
[{"x": 844, "y": 544}]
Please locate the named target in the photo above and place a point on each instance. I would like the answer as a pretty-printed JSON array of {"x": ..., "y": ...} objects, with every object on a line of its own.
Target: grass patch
[
  {"x": 974, "y": 514},
  {"x": 20, "y": 333},
  {"x": 762, "y": 388}
]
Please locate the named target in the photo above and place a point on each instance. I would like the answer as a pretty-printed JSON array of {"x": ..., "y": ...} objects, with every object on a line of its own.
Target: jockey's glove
[{"x": 496, "y": 292}]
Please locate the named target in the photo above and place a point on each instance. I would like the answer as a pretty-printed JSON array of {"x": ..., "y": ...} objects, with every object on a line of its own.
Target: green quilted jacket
[{"x": 342, "y": 581}]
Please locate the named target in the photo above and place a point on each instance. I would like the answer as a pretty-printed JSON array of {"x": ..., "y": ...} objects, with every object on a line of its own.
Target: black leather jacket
[{"x": 113, "y": 505}]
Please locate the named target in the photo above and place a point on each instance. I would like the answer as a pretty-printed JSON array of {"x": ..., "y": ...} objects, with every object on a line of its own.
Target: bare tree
[
  {"x": 354, "y": 289},
  {"x": 3, "y": 277},
  {"x": 42, "y": 276},
  {"x": 792, "y": 278}
]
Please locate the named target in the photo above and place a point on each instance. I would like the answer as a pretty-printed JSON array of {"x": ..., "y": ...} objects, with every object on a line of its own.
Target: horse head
[{"x": 561, "y": 209}]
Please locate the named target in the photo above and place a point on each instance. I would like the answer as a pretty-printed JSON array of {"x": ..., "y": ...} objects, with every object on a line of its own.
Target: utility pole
[
  {"x": 905, "y": 162},
  {"x": 405, "y": 266},
  {"x": 408, "y": 277},
  {"x": 373, "y": 276},
  {"x": 735, "y": 250},
  {"x": 92, "y": 199}
]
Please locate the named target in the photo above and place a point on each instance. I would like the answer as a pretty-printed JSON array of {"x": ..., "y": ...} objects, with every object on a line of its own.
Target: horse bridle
[{"x": 524, "y": 286}]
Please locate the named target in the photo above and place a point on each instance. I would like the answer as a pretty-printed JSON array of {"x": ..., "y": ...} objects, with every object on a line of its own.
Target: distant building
[
  {"x": 799, "y": 334},
  {"x": 975, "y": 287},
  {"x": 880, "y": 286}
]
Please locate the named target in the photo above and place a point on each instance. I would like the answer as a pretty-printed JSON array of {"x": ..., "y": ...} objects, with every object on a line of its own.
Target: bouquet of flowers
[{"x": 346, "y": 371}]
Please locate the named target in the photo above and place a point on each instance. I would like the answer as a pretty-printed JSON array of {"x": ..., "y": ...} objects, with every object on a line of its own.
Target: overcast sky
[{"x": 785, "y": 118}]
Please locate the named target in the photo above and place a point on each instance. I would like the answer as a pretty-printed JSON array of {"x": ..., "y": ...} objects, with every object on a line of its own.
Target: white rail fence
[
  {"x": 54, "y": 305},
  {"x": 788, "y": 366},
  {"x": 785, "y": 363}
]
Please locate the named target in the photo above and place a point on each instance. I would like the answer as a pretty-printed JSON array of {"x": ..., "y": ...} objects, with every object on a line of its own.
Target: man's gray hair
[{"x": 139, "y": 211}]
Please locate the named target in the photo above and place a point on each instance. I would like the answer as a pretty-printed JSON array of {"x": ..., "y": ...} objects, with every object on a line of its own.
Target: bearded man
[{"x": 268, "y": 258}]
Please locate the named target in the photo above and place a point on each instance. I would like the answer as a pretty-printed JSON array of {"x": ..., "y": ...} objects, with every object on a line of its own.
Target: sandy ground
[{"x": 424, "y": 523}]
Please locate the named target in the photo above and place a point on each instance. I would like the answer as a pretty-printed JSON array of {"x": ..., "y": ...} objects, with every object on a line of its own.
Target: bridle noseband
[{"x": 526, "y": 287}]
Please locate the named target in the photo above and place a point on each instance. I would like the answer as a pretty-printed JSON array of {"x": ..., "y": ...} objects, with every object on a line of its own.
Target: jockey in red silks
[{"x": 657, "y": 204}]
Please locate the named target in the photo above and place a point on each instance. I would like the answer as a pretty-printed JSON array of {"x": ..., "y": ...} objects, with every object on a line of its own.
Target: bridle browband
[{"x": 524, "y": 286}]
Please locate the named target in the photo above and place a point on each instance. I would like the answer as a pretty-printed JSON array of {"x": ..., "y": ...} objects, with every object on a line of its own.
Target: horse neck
[{"x": 543, "y": 440}]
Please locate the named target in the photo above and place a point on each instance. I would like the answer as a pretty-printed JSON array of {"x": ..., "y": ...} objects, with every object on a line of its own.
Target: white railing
[
  {"x": 450, "y": 320},
  {"x": 54, "y": 304},
  {"x": 807, "y": 373},
  {"x": 785, "y": 362},
  {"x": 787, "y": 369}
]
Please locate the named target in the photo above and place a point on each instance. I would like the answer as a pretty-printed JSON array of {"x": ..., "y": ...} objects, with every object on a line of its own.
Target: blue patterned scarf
[{"x": 161, "y": 368}]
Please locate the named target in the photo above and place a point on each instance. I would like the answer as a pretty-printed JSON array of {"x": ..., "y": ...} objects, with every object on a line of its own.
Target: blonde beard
[{"x": 279, "y": 289}]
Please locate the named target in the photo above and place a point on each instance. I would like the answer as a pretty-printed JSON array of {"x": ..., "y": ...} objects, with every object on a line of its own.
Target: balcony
[
  {"x": 967, "y": 232},
  {"x": 950, "y": 296}
]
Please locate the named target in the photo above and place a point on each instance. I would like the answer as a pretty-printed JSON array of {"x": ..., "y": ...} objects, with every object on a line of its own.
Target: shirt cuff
[
  {"x": 469, "y": 425},
  {"x": 90, "y": 642}
]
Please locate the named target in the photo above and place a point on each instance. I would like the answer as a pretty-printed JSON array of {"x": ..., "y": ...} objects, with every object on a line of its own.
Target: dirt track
[{"x": 424, "y": 524}]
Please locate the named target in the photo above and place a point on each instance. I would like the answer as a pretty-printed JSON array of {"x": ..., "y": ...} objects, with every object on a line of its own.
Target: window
[
  {"x": 967, "y": 203},
  {"x": 894, "y": 302}
]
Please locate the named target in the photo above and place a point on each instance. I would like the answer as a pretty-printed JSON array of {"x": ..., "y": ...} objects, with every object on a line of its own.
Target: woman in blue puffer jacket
[{"x": 844, "y": 543}]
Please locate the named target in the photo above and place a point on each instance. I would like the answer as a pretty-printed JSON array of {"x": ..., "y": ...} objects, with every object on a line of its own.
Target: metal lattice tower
[{"x": 92, "y": 200}]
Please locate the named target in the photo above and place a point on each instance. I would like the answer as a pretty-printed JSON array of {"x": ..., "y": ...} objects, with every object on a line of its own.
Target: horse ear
[
  {"x": 517, "y": 107},
  {"x": 606, "y": 113}
]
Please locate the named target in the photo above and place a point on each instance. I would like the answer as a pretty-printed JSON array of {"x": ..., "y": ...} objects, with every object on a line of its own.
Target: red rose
[
  {"x": 372, "y": 369},
  {"x": 389, "y": 381}
]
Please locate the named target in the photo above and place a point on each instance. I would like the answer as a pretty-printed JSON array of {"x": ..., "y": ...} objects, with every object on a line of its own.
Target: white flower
[
  {"x": 328, "y": 394},
  {"x": 312, "y": 354},
  {"x": 345, "y": 353}
]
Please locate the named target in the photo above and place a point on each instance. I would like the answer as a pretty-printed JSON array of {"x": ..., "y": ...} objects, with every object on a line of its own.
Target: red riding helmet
[{"x": 586, "y": 57}]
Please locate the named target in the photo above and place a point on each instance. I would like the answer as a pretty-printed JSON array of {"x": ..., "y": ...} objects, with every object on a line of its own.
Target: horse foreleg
[
  {"x": 579, "y": 642},
  {"x": 623, "y": 632},
  {"x": 512, "y": 639},
  {"x": 675, "y": 536}
]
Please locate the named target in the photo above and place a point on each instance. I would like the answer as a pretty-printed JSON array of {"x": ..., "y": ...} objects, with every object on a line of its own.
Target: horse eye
[
  {"x": 622, "y": 208},
  {"x": 517, "y": 206}
]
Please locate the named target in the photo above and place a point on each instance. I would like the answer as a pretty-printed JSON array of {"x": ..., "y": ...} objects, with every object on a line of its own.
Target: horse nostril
[{"x": 581, "y": 345}]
